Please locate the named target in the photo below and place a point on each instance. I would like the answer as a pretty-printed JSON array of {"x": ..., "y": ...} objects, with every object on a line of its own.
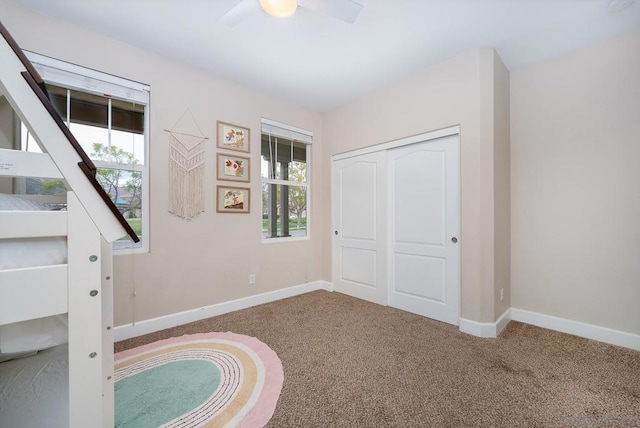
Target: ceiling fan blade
[
  {"x": 239, "y": 12},
  {"x": 344, "y": 10}
]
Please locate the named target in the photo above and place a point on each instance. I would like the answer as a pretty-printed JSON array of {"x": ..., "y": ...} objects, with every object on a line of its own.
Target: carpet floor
[{"x": 350, "y": 363}]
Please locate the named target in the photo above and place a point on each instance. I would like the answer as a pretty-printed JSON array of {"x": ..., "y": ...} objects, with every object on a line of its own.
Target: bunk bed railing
[{"x": 44, "y": 287}]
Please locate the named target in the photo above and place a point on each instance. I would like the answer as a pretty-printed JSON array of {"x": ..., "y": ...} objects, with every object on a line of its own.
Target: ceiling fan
[{"x": 344, "y": 10}]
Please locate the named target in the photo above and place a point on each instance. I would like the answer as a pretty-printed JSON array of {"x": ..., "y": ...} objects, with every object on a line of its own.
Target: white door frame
[{"x": 444, "y": 132}]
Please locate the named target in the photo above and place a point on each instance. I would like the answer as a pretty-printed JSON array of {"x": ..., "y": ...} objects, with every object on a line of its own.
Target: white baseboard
[
  {"x": 485, "y": 329},
  {"x": 576, "y": 328},
  {"x": 502, "y": 322},
  {"x": 140, "y": 328},
  {"x": 588, "y": 331},
  {"x": 491, "y": 329}
]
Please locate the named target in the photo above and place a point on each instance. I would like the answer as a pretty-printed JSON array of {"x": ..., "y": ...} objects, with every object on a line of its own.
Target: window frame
[
  {"x": 74, "y": 77},
  {"x": 290, "y": 133}
]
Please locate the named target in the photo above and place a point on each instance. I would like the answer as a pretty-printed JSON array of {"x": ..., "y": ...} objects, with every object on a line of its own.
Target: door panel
[
  {"x": 359, "y": 195},
  {"x": 424, "y": 216},
  {"x": 419, "y": 197},
  {"x": 359, "y": 249},
  {"x": 420, "y": 276},
  {"x": 359, "y": 266}
]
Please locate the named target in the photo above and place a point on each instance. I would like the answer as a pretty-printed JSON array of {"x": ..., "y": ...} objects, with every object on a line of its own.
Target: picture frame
[
  {"x": 232, "y": 168},
  {"x": 231, "y": 199},
  {"x": 233, "y": 137}
]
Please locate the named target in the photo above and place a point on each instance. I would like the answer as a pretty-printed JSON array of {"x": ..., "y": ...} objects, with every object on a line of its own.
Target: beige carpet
[{"x": 350, "y": 363}]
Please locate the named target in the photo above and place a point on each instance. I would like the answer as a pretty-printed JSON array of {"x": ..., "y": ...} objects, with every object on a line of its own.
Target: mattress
[{"x": 34, "y": 391}]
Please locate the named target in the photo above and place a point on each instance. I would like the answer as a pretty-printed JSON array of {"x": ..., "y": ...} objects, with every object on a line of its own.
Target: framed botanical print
[
  {"x": 232, "y": 199},
  {"x": 233, "y": 137},
  {"x": 232, "y": 167}
]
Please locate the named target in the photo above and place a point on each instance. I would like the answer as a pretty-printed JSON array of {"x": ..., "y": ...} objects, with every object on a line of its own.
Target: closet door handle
[
  {"x": 454, "y": 239},
  {"x": 336, "y": 233}
]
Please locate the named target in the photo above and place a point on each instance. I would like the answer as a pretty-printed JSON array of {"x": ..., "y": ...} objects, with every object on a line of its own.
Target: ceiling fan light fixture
[{"x": 279, "y": 8}]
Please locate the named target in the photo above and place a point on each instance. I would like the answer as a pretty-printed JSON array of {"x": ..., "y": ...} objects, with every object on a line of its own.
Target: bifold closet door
[
  {"x": 424, "y": 253},
  {"x": 360, "y": 227}
]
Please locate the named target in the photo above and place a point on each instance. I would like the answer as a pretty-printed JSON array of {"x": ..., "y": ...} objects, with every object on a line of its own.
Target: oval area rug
[{"x": 198, "y": 380}]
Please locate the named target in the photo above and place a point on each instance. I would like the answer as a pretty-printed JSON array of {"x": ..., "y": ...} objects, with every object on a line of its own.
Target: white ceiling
[{"x": 320, "y": 62}]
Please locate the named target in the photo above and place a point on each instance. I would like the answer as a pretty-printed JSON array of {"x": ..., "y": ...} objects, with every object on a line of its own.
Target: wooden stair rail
[{"x": 87, "y": 166}]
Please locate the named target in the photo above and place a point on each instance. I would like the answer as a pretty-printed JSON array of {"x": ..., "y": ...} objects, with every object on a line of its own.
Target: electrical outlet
[
  {"x": 252, "y": 278},
  {"x": 502, "y": 294}
]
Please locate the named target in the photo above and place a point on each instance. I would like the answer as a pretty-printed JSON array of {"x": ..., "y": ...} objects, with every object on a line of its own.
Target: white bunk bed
[
  {"x": 35, "y": 285},
  {"x": 35, "y": 292}
]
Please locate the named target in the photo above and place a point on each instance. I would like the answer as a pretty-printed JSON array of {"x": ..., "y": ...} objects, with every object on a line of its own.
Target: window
[
  {"x": 285, "y": 152},
  {"x": 108, "y": 116}
]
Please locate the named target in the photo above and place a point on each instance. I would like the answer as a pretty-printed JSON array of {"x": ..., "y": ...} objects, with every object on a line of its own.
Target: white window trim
[
  {"x": 73, "y": 76},
  {"x": 284, "y": 130}
]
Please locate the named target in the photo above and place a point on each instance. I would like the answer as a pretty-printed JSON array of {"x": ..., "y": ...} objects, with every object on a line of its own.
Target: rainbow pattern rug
[{"x": 199, "y": 380}]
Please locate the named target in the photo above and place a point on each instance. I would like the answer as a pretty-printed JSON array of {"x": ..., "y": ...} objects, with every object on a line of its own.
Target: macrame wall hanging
[{"x": 186, "y": 170}]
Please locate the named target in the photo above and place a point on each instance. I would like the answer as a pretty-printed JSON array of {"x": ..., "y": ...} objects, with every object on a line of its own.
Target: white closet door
[
  {"x": 360, "y": 227},
  {"x": 424, "y": 255}
]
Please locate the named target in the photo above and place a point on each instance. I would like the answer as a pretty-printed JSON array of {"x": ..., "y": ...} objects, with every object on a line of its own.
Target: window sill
[{"x": 285, "y": 239}]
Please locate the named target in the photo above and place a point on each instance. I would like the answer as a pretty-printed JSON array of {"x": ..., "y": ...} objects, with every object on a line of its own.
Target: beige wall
[
  {"x": 502, "y": 186},
  {"x": 575, "y": 200},
  {"x": 494, "y": 174},
  {"x": 207, "y": 260},
  {"x": 445, "y": 95}
]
